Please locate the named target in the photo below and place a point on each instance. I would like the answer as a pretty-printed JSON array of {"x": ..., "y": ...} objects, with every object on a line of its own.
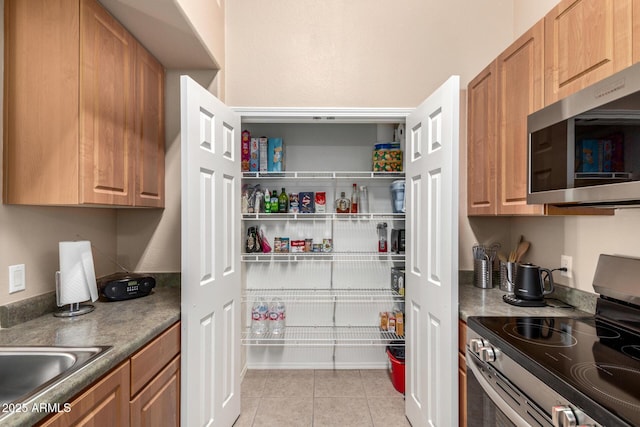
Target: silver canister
[
  {"x": 482, "y": 273},
  {"x": 507, "y": 276}
]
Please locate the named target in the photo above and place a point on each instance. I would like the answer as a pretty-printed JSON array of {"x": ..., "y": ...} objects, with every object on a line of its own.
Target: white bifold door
[
  {"x": 431, "y": 189},
  {"x": 210, "y": 150}
]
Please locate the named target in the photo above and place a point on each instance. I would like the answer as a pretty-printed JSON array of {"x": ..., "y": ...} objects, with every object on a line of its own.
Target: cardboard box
[
  {"x": 275, "y": 153},
  {"x": 254, "y": 155},
  {"x": 264, "y": 145}
]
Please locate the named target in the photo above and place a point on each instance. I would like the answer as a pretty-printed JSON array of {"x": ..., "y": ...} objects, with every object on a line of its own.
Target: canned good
[{"x": 317, "y": 247}]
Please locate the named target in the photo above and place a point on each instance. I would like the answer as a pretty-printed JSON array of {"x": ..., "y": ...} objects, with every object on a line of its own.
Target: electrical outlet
[
  {"x": 566, "y": 261},
  {"x": 17, "y": 280}
]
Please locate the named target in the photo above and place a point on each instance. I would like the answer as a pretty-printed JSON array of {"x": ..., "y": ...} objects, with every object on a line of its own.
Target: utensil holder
[
  {"x": 507, "y": 276},
  {"x": 482, "y": 273}
]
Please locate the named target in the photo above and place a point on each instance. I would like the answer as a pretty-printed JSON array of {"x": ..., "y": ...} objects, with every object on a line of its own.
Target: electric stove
[{"x": 563, "y": 371}]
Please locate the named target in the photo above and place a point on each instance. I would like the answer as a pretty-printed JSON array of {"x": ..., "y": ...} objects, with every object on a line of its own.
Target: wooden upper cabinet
[
  {"x": 586, "y": 41},
  {"x": 149, "y": 178},
  {"x": 83, "y": 109},
  {"x": 107, "y": 156},
  {"x": 520, "y": 90},
  {"x": 481, "y": 143}
]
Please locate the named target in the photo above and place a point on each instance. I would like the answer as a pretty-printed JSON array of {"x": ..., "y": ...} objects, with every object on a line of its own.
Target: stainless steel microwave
[{"x": 585, "y": 149}]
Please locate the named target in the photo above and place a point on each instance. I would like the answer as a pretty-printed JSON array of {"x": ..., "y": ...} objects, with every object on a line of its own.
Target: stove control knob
[
  {"x": 563, "y": 416},
  {"x": 488, "y": 354},
  {"x": 476, "y": 343}
]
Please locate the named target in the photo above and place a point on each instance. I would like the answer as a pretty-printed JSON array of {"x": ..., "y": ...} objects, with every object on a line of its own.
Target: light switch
[{"x": 17, "y": 280}]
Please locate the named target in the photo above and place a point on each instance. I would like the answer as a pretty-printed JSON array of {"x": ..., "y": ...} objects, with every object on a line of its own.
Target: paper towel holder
[
  {"x": 72, "y": 309},
  {"x": 76, "y": 280}
]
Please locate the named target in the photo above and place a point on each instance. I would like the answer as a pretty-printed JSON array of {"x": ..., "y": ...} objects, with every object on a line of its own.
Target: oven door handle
[{"x": 513, "y": 416}]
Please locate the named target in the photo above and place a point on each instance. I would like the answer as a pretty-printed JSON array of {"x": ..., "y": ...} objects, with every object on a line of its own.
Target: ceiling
[{"x": 162, "y": 27}]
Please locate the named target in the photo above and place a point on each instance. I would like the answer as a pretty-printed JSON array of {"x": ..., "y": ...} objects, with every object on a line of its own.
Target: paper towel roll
[{"x": 77, "y": 279}]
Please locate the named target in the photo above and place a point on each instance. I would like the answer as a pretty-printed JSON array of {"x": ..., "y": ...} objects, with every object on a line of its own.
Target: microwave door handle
[{"x": 513, "y": 416}]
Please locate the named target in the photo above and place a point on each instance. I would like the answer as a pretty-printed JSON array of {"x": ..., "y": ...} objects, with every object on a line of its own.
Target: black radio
[{"x": 123, "y": 286}]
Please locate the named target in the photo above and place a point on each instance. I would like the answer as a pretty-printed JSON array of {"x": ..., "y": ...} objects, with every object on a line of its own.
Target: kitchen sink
[{"x": 25, "y": 371}]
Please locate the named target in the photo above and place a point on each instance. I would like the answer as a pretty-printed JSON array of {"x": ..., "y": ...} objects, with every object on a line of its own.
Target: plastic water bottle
[
  {"x": 277, "y": 316},
  {"x": 259, "y": 317}
]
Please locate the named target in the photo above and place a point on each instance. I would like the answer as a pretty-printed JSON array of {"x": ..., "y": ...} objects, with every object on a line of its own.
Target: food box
[
  {"x": 589, "y": 156},
  {"x": 284, "y": 244},
  {"x": 264, "y": 146},
  {"x": 246, "y": 151},
  {"x": 307, "y": 202},
  {"x": 320, "y": 202},
  {"x": 294, "y": 203},
  {"x": 275, "y": 154},
  {"x": 254, "y": 155}
]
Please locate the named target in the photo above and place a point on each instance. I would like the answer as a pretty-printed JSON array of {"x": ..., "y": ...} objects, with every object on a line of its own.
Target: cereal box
[
  {"x": 254, "y": 155},
  {"x": 245, "y": 155}
]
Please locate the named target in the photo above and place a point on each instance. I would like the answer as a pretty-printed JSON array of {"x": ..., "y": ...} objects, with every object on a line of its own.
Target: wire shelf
[
  {"x": 323, "y": 257},
  {"x": 347, "y": 295},
  {"x": 323, "y": 175},
  {"x": 322, "y": 216},
  {"x": 317, "y": 336}
]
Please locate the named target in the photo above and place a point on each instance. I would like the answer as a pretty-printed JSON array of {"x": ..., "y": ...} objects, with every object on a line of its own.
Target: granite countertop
[
  {"x": 126, "y": 326},
  {"x": 474, "y": 301}
]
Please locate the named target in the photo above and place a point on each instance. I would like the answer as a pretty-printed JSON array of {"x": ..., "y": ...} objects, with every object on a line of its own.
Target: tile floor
[{"x": 297, "y": 398}]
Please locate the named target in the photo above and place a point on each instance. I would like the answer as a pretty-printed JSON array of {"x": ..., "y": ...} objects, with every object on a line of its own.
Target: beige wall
[
  {"x": 29, "y": 235},
  {"x": 357, "y": 53}
]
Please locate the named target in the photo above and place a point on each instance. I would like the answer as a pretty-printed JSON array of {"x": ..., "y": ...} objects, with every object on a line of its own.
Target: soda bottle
[
  {"x": 283, "y": 202},
  {"x": 259, "y": 317},
  {"x": 274, "y": 201},
  {"x": 277, "y": 316}
]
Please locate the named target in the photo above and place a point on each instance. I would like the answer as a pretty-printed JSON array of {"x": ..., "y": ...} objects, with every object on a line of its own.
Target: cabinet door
[
  {"x": 159, "y": 402},
  {"x": 481, "y": 143},
  {"x": 106, "y": 110},
  {"x": 106, "y": 404},
  {"x": 520, "y": 72},
  {"x": 585, "y": 41},
  {"x": 41, "y": 102},
  {"x": 149, "y": 130}
]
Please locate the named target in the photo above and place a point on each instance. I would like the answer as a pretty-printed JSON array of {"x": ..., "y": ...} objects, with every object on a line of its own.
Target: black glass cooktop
[{"x": 590, "y": 356}]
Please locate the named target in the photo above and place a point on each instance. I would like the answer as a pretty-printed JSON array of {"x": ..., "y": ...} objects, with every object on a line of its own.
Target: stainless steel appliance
[
  {"x": 585, "y": 149},
  {"x": 561, "y": 371}
]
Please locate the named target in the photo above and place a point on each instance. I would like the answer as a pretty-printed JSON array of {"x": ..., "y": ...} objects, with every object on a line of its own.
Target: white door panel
[
  {"x": 210, "y": 370},
  {"x": 432, "y": 264}
]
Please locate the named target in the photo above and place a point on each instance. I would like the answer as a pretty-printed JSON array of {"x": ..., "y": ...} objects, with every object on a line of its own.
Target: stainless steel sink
[{"x": 25, "y": 371}]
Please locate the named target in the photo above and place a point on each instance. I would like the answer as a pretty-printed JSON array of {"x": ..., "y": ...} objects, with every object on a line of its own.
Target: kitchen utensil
[
  {"x": 522, "y": 248},
  {"x": 530, "y": 283},
  {"x": 507, "y": 276}
]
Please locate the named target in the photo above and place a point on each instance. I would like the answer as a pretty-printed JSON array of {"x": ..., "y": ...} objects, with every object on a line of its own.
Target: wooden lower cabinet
[
  {"x": 142, "y": 391},
  {"x": 106, "y": 404},
  {"x": 158, "y": 404},
  {"x": 462, "y": 374}
]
